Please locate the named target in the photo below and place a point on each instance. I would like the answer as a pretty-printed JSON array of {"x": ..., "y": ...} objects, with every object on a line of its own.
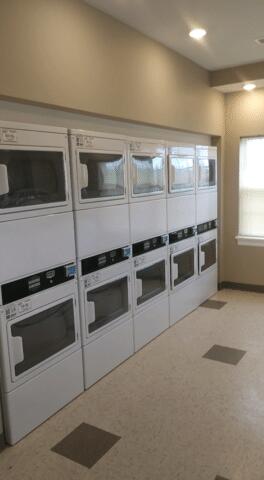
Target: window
[{"x": 251, "y": 191}]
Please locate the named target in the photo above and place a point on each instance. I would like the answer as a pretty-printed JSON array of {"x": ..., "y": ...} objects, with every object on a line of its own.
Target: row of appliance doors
[
  {"x": 35, "y": 170},
  {"x": 107, "y": 294}
]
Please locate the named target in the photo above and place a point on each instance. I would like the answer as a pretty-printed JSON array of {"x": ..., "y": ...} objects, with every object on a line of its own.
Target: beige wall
[
  {"x": 64, "y": 53},
  {"x": 244, "y": 117}
]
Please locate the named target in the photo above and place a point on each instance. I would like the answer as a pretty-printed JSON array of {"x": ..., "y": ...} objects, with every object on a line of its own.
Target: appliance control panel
[
  {"x": 106, "y": 259},
  {"x": 8, "y": 135},
  {"x": 148, "y": 245},
  {"x": 24, "y": 287},
  {"x": 181, "y": 234},
  {"x": 15, "y": 309},
  {"x": 92, "y": 279},
  {"x": 207, "y": 226},
  {"x": 84, "y": 141}
]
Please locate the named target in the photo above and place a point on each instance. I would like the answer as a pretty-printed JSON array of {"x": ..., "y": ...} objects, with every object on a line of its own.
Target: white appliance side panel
[
  {"x": 107, "y": 351},
  {"x": 101, "y": 229},
  {"x": 181, "y": 212},
  {"x": 151, "y": 322},
  {"x": 183, "y": 302},
  {"x": 207, "y": 285},
  {"x": 34, "y": 244},
  {"x": 35, "y": 401},
  {"x": 148, "y": 219},
  {"x": 206, "y": 206}
]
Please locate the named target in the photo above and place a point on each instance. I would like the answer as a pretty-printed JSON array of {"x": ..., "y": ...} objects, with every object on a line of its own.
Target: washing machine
[
  {"x": 206, "y": 184},
  {"x": 147, "y": 174},
  {"x": 183, "y": 273},
  {"x": 106, "y": 312},
  {"x": 181, "y": 200},
  {"x": 100, "y": 191},
  {"x": 36, "y": 217},
  {"x": 207, "y": 282},
  {"x": 150, "y": 289},
  {"x": 41, "y": 356}
]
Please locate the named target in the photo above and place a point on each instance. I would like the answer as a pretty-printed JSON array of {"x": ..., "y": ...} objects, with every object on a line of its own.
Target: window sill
[{"x": 250, "y": 241}]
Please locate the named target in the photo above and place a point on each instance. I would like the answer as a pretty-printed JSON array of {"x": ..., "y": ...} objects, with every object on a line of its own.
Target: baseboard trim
[{"x": 246, "y": 287}]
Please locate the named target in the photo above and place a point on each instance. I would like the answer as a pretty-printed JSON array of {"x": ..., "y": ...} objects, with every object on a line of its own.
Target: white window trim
[{"x": 249, "y": 241}]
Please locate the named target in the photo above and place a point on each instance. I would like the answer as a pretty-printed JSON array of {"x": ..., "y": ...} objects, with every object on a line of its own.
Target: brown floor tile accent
[
  {"x": 215, "y": 304},
  {"x": 86, "y": 444},
  {"x": 225, "y": 354}
]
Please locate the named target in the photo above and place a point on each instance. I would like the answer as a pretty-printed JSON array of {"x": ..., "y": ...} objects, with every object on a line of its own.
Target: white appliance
[
  {"x": 181, "y": 186},
  {"x": 34, "y": 171},
  {"x": 100, "y": 193},
  {"x": 41, "y": 355},
  {"x": 206, "y": 184},
  {"x": 183, "y": 273},
  {"x": 106, "y": 312},
  {"x": 207, "y": 260},
  {"x": 150, "y": 289},
  {"x": 147, "y": 173}
]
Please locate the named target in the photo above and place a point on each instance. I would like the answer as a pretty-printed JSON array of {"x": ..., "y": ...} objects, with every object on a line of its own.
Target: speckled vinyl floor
[{"x": 180, "y": 416}]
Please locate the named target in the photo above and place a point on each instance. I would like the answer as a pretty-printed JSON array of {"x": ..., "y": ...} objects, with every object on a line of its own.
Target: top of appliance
[
  {"x": 181, "y": 149},
  {"x": 33, "y": 127},
  {"x": 205, "y": 151},
  {"x": 145, "y": 145},
  {"x": 93, "y": 133}
]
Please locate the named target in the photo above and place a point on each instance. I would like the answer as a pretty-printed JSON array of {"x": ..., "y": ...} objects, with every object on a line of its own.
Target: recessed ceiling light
[
  {"x": 198, "y": 33},
  {"x": 249, "y": 87}
]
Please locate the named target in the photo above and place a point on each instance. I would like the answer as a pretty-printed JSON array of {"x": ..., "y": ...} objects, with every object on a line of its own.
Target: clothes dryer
[
  {"x": 106, "y": 312},
  {"x": 181, "y": 186},
  {"x": 41, "y": 357},
  {"x": 183, "y": 273},
  {"x": 207, "y": 282},
  {"x": 150, "y": 289},
  {"x": 147, "y": 167},
  {"x": 206, "y": 184}
]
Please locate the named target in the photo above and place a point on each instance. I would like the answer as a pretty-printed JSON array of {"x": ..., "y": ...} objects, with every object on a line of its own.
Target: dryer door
[
  {"x": 181, "y": 174},
  {"x": 37, "y": 337},
  {"x": 148, "y": 172},
  {"x": 150, "y": 281},
  {"x": 101, "y": 176},
  {"x": 207, "y": 255},
  {"x": 207, "y": 171},
  {"x": 32, "y": 179},
  {"x": 107, "y": 303},
  {"x": 182, "y": 267}
]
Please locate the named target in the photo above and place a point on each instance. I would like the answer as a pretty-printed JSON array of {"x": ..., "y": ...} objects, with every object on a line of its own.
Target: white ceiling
[{"x": 232, "y": 25}]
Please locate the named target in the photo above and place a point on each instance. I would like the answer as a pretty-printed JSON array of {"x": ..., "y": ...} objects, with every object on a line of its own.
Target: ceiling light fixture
[
  {"x": 198, "y": 33},
  {"x": 249, "y": 87}
]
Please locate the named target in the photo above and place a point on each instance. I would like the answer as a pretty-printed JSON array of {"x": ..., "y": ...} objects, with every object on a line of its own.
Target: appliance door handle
[
  {"x": 91, "y": 312},
  {"x": 84, "y": 176},
  {"x": 18, "y": 351},
  {"x": 4, "y": 183},
  {"x": 175, "y": 271},
  {"x": 139, "y": 290},
  {"x": 202, "y": 258}
]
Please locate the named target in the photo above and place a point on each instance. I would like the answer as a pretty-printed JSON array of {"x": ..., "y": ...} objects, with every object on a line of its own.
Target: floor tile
[
  {"x": 215, "y": 304},
  {"x": 225, "y": 354},
  {"x": 86, "y": 444},
  {"x": 220, "y": 478}
]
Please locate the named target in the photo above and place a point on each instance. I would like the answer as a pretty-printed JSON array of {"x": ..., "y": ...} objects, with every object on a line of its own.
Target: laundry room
[{"x": 131, "y": 236}]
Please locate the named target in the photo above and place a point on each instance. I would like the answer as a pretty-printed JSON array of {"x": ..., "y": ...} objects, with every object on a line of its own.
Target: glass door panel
[
  {"x": 42, "y": 335},
  {"x": 150, "y": 281},
  {"x": 107, "y": 303},
  {"x": 102, "y": 175},
  {"x": 208, "y": 255},
  {"x": 181, "y": 173},
  {"x": 30, "y": 177},
  {"x": 182, "y": 267},
  {"x": 148, "y": 174},
  {"x": 206, "y": 172}
]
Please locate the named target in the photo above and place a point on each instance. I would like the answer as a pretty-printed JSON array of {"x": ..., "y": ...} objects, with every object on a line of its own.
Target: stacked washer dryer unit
[
  {"x": 41, "y": 358},
  {"x": 206, "y": 218},
  {"x": 148, "y": 219},
  {"x": 99, "y": 169},
  {"x": 181, "y": 204}
]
